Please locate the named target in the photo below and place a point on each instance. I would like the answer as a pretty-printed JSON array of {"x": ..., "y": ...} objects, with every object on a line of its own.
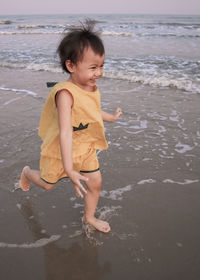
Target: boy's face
[{"x": 87, "y": 71}]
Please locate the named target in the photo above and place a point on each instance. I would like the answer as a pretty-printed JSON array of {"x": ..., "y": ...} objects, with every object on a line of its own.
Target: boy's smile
[{"x": 87, "y": 71}]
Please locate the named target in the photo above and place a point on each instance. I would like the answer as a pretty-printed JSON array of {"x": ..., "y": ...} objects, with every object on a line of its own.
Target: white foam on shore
[
  {"x": 182, "y": 148},
  {"x": 186, "y": 181},
  {"x": 124, "y": 236},
  {"x": 162, "y": 129},
  {"x": 149, "y": 181},
  {"x": 135, "y": 132},
  {"x": 29, "y": 92},
  {"x": 76, "y": 234},
  {"x": 174, "y": 116},
  {"x": 122, "y": 123},
  {"x": 105, "y": 212},
  {"x": 38, "y": 243},
  {"x": 116, "y": 194},
  {"x": 142, "y": 125},
  {"x": 157, "y": 116},
  {"x": 162, "y": 156},
  {"x": 138, "y": 148},
  {"x": 17, "y": 91},
  {"x": 78, "y": 205},
  {"x": 11, "y": 100}
]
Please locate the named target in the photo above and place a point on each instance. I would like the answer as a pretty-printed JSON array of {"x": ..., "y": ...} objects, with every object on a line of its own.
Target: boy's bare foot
[
  {"x": 98, "y": 224},
  {"x": 24, "y": 183}
]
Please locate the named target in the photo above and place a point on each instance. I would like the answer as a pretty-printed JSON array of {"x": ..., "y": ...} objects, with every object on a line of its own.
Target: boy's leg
[
  {"x": 91, "y": 201},
  {"x": 29, "y": 175}
]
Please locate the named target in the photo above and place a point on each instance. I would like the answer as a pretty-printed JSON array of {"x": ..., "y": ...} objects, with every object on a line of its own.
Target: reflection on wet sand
[{"x": 76, "y": 262}]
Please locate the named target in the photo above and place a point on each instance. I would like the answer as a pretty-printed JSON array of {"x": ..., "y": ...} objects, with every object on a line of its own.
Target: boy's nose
[{"x": 99, "y": 72}]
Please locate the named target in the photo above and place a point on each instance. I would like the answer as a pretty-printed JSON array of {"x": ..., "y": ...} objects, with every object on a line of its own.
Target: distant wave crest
[
  {"x": 159, "y": 81},
  {"x": 40, "y": 26},
  {"x": 6, "y": 22},
  {"x": 32, "y": 66},
  {"x": 145, "y": 79}
]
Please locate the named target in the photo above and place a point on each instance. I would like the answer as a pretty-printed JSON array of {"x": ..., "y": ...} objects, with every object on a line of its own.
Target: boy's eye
[{"x": 96, "y": 67}]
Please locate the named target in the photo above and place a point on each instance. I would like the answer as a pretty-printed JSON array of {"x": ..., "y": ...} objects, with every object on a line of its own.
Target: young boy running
[{"x": 71, "y": 124}]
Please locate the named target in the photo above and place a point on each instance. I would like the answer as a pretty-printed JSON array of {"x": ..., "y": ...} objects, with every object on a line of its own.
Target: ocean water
[
  {"x": 150, "y": 191},
  {"x": 156, "y": 50}
]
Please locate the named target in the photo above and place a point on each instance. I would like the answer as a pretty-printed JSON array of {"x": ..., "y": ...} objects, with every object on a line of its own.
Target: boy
[{"x": 71, "y": 124}]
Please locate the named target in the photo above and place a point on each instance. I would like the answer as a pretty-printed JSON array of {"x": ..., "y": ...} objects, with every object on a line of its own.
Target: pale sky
[{"x": 8, "y": 7}]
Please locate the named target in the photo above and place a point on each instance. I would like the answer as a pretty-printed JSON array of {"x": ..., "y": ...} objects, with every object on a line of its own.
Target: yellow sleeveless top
[{"x": 86, "y": 119}]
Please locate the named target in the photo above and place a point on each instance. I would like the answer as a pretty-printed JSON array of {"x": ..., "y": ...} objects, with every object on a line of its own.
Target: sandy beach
[{"x": 150, "y": 192}]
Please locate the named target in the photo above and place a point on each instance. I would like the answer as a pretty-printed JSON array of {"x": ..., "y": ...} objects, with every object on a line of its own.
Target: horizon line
[{"x": 105, "y": 13}]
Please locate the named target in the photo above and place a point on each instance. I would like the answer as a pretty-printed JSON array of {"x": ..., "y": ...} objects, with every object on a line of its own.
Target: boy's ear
[{"x": 69, "y": 65}]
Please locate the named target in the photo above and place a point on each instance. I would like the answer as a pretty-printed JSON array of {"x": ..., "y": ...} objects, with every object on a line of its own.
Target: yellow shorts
[{"x": 51, "y": 169}]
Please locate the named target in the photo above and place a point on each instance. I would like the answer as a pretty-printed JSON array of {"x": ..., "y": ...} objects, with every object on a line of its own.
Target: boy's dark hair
[{"x": 76, "y": 41}]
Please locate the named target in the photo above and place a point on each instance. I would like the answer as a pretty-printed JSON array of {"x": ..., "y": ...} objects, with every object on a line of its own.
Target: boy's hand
[
  {"x": 75, "y": 178},
  {"x": 117, "y": 113},
  {"x": 111, "y": 117}
]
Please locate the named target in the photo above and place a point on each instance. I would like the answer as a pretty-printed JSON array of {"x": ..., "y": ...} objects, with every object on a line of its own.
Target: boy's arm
[
  {"x": 111, "y": 117},
  {"x": 64, "y": 102}
]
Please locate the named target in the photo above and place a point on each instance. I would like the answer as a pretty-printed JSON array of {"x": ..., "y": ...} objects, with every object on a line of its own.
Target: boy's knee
[{"x": 95, "y": 181}]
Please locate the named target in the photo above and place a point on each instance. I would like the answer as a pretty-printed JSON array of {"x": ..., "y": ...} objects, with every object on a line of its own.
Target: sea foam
[
  {"x": 29, "y": 92},
  {"x": 116, "y": 194},
  {"x": 38, "y": 243}
]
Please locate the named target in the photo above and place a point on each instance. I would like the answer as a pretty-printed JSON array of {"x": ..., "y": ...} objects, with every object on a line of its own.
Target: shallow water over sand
[{"x": 150, "y": 192}]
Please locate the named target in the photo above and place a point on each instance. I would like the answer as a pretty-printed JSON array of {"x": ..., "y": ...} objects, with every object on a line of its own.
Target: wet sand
[{"x": 150, "y": 192}]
